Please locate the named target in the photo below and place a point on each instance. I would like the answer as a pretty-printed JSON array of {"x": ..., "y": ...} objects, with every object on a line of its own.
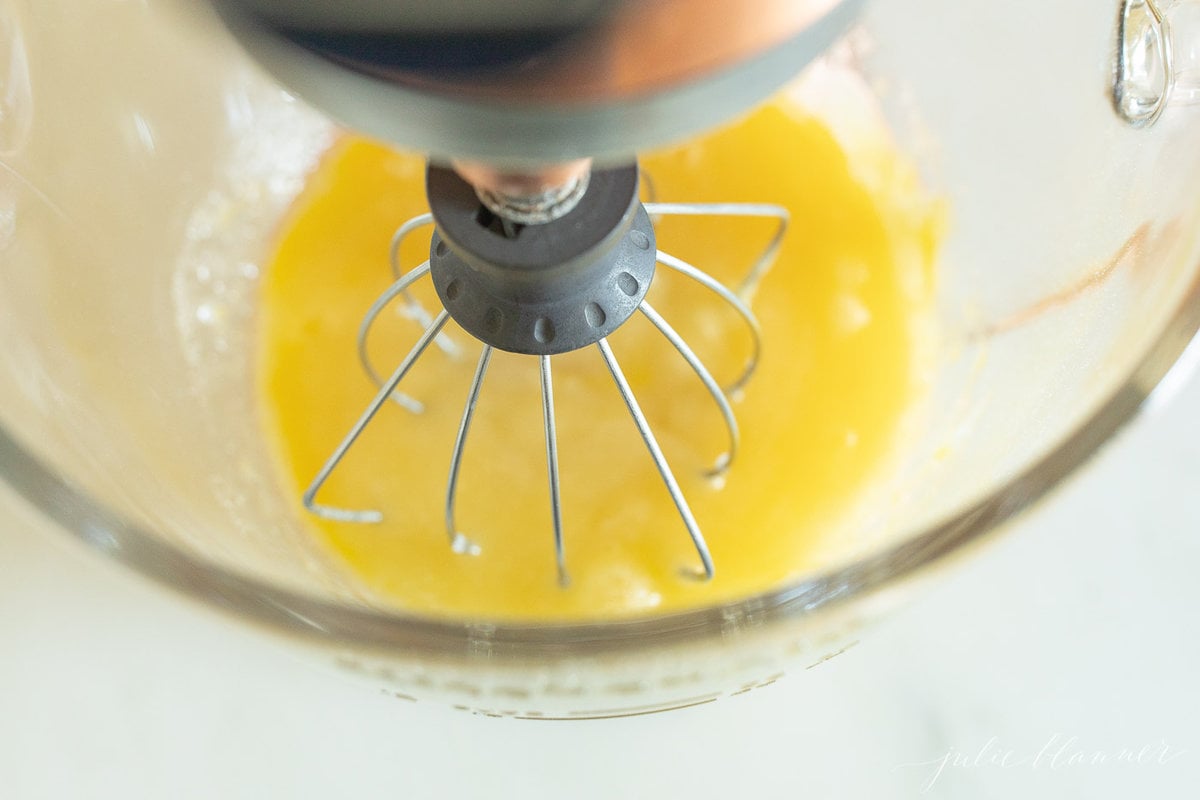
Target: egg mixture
[{"x": 840, "y": 325}]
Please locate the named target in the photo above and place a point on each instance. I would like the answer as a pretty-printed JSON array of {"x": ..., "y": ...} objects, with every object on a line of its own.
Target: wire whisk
[{"x": 589, "y": 286}]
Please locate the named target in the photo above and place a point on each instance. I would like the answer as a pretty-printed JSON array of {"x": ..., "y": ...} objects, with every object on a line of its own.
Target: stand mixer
[
  {"x": 541, "y": 245},
  {"x": 1068, "y": 282}
]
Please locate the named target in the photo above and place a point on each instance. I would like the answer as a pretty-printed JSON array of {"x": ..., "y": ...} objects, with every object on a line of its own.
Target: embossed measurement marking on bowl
[{"x": 839, "y": 316}]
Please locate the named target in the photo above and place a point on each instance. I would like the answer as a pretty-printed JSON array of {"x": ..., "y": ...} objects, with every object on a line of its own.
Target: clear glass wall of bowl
[{"x": 145, "y": 164}]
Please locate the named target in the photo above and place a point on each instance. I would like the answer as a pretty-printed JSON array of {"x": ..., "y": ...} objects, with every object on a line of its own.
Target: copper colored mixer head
[{"x": 520, "y": 94}]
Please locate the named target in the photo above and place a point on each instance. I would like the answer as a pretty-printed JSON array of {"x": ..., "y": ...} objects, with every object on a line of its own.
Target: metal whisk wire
[
  {"x": 749, "y": 284},
  {"x": 433, "y": 332},
  {"x": 385, "y": 391}
]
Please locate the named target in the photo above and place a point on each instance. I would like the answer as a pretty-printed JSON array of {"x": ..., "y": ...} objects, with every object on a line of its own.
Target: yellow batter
[{"x": 818, "y": 419}]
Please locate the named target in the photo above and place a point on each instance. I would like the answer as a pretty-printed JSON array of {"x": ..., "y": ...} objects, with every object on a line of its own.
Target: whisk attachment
[{"x": 543, "y": 290}]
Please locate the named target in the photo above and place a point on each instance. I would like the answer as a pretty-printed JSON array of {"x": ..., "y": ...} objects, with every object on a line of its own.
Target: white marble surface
[{"x": 1072, "y": 638}]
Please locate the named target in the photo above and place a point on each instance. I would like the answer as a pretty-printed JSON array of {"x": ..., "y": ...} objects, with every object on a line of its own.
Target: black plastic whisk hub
[{"x": 548, "y": 288}]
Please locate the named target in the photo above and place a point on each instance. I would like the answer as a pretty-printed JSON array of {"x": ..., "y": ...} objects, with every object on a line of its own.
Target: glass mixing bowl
[{"x": 145, "y": 164}]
